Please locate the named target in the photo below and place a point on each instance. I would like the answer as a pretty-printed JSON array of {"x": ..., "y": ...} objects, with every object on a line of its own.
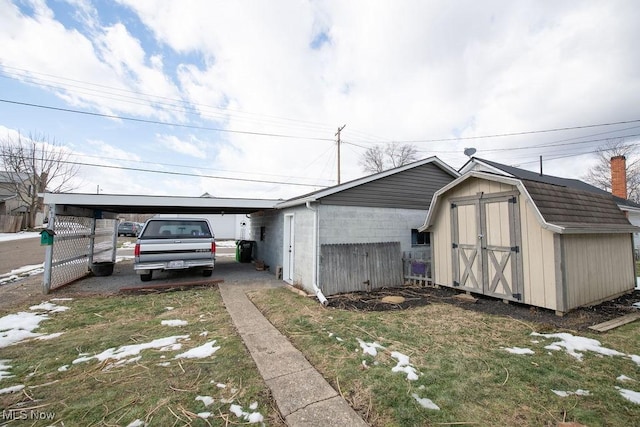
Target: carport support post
[
  {"x": 115, "y": 241},
  {"x": 92, "y": 242},
  {"x": 48, "y": 255}
]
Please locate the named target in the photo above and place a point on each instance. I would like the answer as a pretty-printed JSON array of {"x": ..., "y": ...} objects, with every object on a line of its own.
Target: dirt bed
[{"x": 416, "y": 296}]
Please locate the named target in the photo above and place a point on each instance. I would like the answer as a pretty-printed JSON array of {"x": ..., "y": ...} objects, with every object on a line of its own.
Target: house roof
[
  {"x": 7, "y": 177},
  {"x": 330, "y": 191},
  {"x": 559, "y": 208},
  {"x": 494, "y": 167}
]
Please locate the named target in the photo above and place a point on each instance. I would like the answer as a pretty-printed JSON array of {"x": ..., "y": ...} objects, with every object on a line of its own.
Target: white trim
[
  {"x": 480, "y": 166},
  {"x": 139, "y": 200},
  {"x": 288, "y": 248}
]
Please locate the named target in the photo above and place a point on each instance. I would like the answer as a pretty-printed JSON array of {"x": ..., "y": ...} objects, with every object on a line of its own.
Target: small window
[
  {"x": 263, "y": 231},
  {"x": 419, "y": 238}
]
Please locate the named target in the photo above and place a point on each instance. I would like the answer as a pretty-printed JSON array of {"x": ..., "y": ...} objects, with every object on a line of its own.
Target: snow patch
[
  {"x": 205, "y": 350},
  {"x": 578, "y": 392},
  {"x": 404, "y": 366},
  {"x": 623, "y": 378},
  {"x": 206, "y": 400},
  {"x": 133, "y": 350},
  {"x": 425, "y": 402},
  {"x": 174, "y": 322},
  {"x": 4, "y": 370},
  {"x": 630, "y": 395},
  {"x": 519, "y": 350},
  {"x": 370, "y": 348},
  {"x": 13, "y": 389},
  {"x": 576, "y": 346},
  {"x": 137, "y": 423}
]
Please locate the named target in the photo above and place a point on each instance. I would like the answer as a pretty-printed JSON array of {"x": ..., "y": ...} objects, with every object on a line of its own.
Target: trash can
[{"x": 244, "y": 250}]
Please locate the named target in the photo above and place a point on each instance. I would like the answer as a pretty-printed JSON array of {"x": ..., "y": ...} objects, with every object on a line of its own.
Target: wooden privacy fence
[
  {"x": 416, "y": 266},
  {"x": 359, "y": 267},
  {"x": 10, "y": 223}
]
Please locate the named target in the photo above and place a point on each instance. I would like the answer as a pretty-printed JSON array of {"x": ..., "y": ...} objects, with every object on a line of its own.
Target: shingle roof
[
  {"x": 570, "y": 204},
  {"x": 7, "y": 177},
  {"x": 576, "y": 184},
  {"x": 571, "y": 207}
]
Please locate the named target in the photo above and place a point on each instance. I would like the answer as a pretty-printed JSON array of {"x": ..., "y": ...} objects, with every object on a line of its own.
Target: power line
[
  {"x": 180, "y": 173},
  {"x": 168, "y": 104},
  {"x": 156, "y": 122},
  {"x": 191, "y": 166},
  {"x": 502, "y": 135}
]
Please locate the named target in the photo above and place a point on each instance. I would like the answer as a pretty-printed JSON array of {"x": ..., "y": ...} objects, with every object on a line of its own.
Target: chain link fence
[{"x": 78, "y": 243}]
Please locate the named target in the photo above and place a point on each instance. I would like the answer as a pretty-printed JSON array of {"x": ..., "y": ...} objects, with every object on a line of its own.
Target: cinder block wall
[{"x": 349, "y": 224}]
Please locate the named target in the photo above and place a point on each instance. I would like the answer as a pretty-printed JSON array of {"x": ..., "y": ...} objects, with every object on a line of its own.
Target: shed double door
[{"x": 486, "y": 245}]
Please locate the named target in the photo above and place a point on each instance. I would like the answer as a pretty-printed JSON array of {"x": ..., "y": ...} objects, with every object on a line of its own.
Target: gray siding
[{"x": 411, "y": 189}]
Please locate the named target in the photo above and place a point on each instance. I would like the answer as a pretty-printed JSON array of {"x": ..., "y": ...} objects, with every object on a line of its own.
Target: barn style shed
[{"x": 543, "y": 241}]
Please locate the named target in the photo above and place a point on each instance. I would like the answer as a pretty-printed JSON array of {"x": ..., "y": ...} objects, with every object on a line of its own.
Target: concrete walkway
[{"x": 303, "y": 396}]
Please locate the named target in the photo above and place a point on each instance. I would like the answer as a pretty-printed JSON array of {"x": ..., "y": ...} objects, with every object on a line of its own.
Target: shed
[{"x": 543, "y": 241}]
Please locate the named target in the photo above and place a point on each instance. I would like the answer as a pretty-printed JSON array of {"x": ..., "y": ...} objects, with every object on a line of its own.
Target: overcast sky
[{"x": 256, "y": 90}]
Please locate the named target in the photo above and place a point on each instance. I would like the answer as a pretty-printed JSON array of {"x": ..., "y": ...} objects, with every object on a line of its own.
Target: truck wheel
[
  {"x": 207, "y": 273},
  {"x": 146, "y": 277}
]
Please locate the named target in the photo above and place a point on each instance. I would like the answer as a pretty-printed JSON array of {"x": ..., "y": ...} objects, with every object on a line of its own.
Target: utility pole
[{"x": 338, "y": 135}]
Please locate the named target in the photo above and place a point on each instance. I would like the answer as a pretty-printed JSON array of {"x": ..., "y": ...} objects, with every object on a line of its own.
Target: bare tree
[
  {"x": 600, "y": 174},
  {"x": 392, "y": 155},
  {"x": 36, "y": 164}
]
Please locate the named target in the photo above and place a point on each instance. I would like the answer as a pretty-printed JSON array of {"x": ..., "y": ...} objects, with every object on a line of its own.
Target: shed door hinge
[
  {"x": 517, "y": 296},
  {"x": 515, "y": 249},
  {"x": 456, "y": 283},
  {"x": 453, "y": 206},
  {"x": 513, "y": 200},
  {"x": 454, "y": 245}
]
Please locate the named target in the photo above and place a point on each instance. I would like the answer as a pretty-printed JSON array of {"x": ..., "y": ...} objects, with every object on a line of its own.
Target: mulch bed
[{"x": 416, "y": 296}]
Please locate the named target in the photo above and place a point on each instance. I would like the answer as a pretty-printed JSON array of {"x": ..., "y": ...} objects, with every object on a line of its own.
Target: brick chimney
[{"x": 619, "y": 176}]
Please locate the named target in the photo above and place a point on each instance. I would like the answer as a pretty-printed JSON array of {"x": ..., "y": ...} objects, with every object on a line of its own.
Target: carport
[{"x": 84, "y": 226}]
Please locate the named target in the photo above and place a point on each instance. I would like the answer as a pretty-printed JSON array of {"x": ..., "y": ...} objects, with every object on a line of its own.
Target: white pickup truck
[{"x": 174, "y": 244}]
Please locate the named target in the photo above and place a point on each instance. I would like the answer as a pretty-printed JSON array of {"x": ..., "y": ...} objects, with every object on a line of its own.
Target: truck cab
[{"x": 174, "y": 244}]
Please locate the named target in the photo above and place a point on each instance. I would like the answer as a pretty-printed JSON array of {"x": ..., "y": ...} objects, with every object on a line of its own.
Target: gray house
[{"x": 351, "y": 236}]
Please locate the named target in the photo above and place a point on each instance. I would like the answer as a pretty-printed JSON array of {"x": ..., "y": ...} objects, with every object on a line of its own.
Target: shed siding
[
  {"x": 441, "y": 233},
  {"x": 589, "y": 278},
  {"x": 538, "y": 260},
  {"x": 411, "y": 189}
]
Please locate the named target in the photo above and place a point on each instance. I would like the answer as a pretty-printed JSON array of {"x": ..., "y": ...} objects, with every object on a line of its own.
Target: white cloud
[
  {"x": 193, "y": 147},
  {"x": 390, "y": 71}
]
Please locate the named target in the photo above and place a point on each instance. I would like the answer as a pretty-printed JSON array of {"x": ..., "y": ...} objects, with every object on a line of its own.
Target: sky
[{"x": 244, "y": 98}]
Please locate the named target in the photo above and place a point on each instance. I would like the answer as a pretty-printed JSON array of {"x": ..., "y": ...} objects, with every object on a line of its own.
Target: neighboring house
[
  {"x": 11, "y": 205},
  {"x": 536, "y": 239},
  {"x": 225, "y": 227},
  {"x": 350, "y": 236}
]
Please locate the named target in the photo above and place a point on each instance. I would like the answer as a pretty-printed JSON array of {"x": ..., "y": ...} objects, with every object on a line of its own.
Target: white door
[{"x": 288, "y": 249}]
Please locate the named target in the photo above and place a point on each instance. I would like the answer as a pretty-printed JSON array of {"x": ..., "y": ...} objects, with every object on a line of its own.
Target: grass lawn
[
  {"x": 462, "y": 365},
  {"x": 459, "y": 358},
  {"x": 157, "y": 388}
]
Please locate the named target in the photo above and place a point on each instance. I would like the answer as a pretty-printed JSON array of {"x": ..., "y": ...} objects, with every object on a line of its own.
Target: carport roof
[{"x": 118, "y": 204}]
